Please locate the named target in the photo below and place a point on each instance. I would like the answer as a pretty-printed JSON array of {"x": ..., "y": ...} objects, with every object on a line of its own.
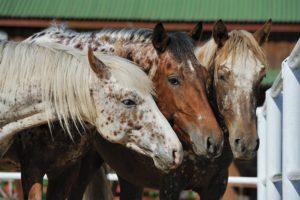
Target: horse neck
[
  {"x": 22, "y": 105},
  {"x": 143, "y": 54},
  {"x": 140, "y": 51}
]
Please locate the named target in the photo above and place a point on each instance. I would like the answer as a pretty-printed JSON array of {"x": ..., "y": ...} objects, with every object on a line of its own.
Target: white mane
[{"x": 62, "y": 76}]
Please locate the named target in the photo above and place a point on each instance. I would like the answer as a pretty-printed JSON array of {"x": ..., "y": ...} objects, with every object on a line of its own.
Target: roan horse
[
  {"x": 108, "y": 96},
  {"x": 236, "y": 64},
  {"x": 170, "y": 60},
  {"x": 205, "y": 176}
]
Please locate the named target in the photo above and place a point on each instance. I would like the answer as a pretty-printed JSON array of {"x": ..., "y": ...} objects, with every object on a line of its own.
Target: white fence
[
  {"x": 279, "y": 132},
  {"x": 11, "y": 176}
]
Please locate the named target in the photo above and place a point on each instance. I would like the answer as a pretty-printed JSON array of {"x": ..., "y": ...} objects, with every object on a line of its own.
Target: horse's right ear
[
  {"x": 262, "y": 34},
  {"x": 97, "y": 65},
  {"x": 160, "y": 38},
  {"x": 196, "y": 33},
  {"x": 220, "y": 33}
]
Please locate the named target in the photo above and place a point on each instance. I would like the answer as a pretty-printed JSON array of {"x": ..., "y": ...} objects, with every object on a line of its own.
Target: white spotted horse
[{"x": 44, "y": 83}]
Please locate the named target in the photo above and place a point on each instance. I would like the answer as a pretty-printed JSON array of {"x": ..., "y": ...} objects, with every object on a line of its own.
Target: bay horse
[
  {"x": 208, "y": 177},
  {"x": 169, "y": 59},
  {"x": 45, "y": 83}
]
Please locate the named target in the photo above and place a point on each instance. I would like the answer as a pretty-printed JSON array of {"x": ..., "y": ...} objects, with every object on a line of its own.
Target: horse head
[
  {"x": 128, "y": 115},
  {"x": 180, "y": 85},
  {"x": 236, "y": 70}
]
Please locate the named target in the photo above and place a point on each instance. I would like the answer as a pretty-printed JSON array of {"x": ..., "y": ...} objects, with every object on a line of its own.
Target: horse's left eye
[
  {"x": 223, "y": 74},
  {"x": 128, "y": 103},
  {"x": 173, "y": 80}
]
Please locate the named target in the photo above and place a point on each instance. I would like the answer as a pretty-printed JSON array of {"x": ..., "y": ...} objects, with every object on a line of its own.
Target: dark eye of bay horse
[
  {"x": 237, "y": 65},
  {"x": 180, "y": 85}
]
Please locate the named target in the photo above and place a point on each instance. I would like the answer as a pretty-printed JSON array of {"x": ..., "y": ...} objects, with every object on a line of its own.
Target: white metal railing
[
  {"x": 279, "y": 132},
  {"x": 6, "y": 176},
  {"x": 11, "y": 176}
]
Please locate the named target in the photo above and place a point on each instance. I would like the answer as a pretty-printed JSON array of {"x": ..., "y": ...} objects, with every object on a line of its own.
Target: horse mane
[
  {"x": 239, "y": 42},
  {"x": 127, "y": 34},
  {"x": 62, "y": 76},
  {"x": 180, "y": 43}
]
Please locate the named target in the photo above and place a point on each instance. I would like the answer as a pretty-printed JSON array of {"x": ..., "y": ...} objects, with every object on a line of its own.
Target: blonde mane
[
  {"x": 62, "y": 76},
  {"x": 238, "y": 43}
]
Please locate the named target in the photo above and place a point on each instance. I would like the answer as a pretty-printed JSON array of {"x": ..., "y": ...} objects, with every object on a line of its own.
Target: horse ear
[
  {"x": 262, "y": 34},
  {"x": 196, "y": 33},
  {"x": 97, "y": 65},
  {"x": 220, "y": 33},
  {"x": 160, "y": 38}
]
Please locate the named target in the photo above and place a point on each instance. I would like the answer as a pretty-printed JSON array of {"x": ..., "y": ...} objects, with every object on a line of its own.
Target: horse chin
[
  {"x": 159, "y": 163},
  {"x": 161, "y": 166},
  {"x": 5, "y": 143},
  {"x": 248, "y": 155},
  {"x": 136, "y": 148},
  {"x": 199, "y": 152}
]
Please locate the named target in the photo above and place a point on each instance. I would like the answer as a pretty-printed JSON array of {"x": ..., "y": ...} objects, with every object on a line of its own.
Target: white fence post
[
  {"x": 273, "y": 158},
  {"x": 261, "y": 154},
  {"x": 282, "y": 160},
  {"x": 291, "y": 130}
]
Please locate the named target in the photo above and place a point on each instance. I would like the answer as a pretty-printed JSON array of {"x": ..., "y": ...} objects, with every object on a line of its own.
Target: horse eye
[
  {"x": 173, "y": 80},
  {"x": 128, "y": 103},
  {"x": 221, "y": 77},
  {"x": 223, "y": 73}
]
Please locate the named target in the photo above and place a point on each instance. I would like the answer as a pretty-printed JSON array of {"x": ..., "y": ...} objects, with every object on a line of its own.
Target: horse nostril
[
  {"x": 243, "y": 149},
  {"x": 257, "y": 145},
  {"x": 176, "y": 157},
  {"x": 174, "y": 153},
  {"x": 240, "y": 145},
  {"x": 237, "y": 141},
  {"x": 209, "y": 145}
]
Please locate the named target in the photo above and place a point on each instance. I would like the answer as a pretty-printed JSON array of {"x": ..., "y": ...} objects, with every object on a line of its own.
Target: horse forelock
[
  {"x": 181, "y": 50},
  {"x": 240, "y": 42},
  {"x": 181, "y": 46},
  {"x": 238, "y": 45}
]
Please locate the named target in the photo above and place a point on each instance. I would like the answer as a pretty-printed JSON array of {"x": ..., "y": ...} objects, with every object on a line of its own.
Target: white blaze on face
[
  {"x": 244, "y": 72},
  {"x": 200, "y": 117},
  {"x": 190, "y": 66}
]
